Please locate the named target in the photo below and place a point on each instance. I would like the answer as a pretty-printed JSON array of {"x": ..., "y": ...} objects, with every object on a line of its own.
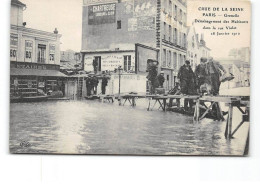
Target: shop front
[{"x": 32, "y": 79}]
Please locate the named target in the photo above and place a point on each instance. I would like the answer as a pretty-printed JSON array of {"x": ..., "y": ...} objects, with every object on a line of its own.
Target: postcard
[{"x": 130, "y": 77}]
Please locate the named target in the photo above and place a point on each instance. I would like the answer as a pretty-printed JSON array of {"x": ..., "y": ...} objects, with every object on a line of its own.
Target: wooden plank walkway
[{"x": 230, "y": 101}]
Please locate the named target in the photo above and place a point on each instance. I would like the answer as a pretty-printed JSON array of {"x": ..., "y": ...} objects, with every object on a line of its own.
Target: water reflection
[{"x": 90, "y": 127}]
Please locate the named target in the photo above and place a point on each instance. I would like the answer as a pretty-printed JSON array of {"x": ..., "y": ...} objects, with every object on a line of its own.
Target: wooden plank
[{"x": 230, "y": 112}]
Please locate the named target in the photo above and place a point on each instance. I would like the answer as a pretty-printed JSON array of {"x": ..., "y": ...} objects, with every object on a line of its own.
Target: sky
[{"x": 65, "y": 15}]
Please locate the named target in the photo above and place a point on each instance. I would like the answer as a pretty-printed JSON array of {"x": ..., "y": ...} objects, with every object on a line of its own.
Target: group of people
[
  {"x": 92, "y": 84},
  {"x": 205, "y": 79}
]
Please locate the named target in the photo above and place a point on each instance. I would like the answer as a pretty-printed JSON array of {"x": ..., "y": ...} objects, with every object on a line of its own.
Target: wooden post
[
  {"x": 198, "y": 111},
  {"x": 230, "y": 115}
]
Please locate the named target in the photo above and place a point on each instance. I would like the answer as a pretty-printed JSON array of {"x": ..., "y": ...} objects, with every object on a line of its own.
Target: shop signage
[
  {"x": 25, "y": 65},
  {"x": 102, "y": 14},
  {"x": 13, "y": 48},
  {"x": 28, "y": 50},
  {"x": 95, "y": 2},
  {"x": 52, "y": 52}
]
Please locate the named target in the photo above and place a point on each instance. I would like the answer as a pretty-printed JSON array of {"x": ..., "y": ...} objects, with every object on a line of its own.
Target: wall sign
[
  {"x": 26, "y": 65},
  {"x": 95, "y": 2},
  {"x": 52, "y": 52},
  {"x": 102, "y": 14},
  {"x": 13, "y": 48},
  {"x": 145, "y": 8},
  {"x": 28, "y": 50}
]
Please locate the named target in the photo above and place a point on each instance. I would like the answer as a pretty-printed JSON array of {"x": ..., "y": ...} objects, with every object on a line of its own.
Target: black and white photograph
[{"x": 130, "y": 77}]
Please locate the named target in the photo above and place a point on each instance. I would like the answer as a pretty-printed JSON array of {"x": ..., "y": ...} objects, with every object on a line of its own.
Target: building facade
[
  {"x": 111, "y": 29},
  {"x": 34, "y": 56},
  {"x": 196, "y": 47}
]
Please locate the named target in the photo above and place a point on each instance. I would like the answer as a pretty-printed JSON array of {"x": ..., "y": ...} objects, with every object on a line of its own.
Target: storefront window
[{"x": 41, "y": 53}]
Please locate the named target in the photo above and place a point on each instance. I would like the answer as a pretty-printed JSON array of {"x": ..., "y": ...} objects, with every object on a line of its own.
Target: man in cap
[
  {"x": 214, "y": 70},
  {"x": 187, "y": 82},
  {"x": 161, "y": 79},
  {"x": 187, "y": 79},
  {"x": 203, "y": 80}
]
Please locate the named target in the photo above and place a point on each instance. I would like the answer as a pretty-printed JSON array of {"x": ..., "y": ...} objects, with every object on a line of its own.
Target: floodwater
[{"x": 92, "y": 127}]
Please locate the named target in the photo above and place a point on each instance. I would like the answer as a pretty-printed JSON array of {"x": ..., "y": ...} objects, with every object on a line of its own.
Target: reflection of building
[
  {"x": 112, "y": 28},
  {"x": 196, "y": 48},
  {"x": 34, "y": 55}
]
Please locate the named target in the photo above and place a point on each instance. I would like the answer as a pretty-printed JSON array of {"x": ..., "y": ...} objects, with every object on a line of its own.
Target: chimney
[{"x": 56, "y": 31}]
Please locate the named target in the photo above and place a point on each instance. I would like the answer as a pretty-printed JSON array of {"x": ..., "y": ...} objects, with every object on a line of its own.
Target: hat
[
  {"x": 161, "y": 71},
  {"x": 203, "y": 60},
  {"x": 187, "y": 62}
]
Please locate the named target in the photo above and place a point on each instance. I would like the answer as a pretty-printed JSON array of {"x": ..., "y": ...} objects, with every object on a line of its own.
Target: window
[
  {"x": 170, "y": 7},
  {"x": 97, "y": 63},
  {"x": 164, "y": 57},
  {"x": 174, "y": 60},
  {"x": 41, "y": 53},
  {"x": 28, "y": 50},
  {"x": 127, "y": 63},
  {"x": 184, "y": 40},
  {"x": 170, "y": 33},
  {"x": 176, "y": 12},
  {"x": 119, "y": 24},
  {"x": 169, "y": 59},
  {"x": 175, "y": 36},
  {"x": 164, "y": 31}
]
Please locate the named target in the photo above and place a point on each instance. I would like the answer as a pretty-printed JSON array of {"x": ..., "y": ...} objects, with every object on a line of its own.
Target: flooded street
[{"x": 92, "y": 127}]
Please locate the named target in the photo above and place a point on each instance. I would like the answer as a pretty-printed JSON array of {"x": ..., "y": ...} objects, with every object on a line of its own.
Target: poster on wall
[
  {"x": 144, "y": 8},
  {"x": 28, "y": 50},
  {"x": 146, "y": 23},
  {"x": 102, "y": 14},
  {"x": 88, "y": 63},
  {"x": 110, "y": 62},
  {"x": 52, "y": 52},
  {"x": 95, "y": 2},
  {"x": 13, "y": 48}
]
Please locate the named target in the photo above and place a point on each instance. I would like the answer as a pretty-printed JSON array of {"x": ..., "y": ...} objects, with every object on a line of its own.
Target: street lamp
[{"x": 119, "y": 69}]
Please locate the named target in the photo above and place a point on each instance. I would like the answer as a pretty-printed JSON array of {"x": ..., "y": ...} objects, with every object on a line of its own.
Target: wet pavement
[{"x": 92, "y": 127}]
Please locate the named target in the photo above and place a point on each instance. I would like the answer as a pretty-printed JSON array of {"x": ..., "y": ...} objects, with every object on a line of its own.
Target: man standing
[
  {"x": 202, "y": 76},
  {"x": 104, "y": 84},
  {"x": 187, "y": 83},
  {"x": 152, "y": 74},
  {"x": 187, "y": 79},
  {"x": 161, "y": 79},
  {"x": 214, "y": 70}
]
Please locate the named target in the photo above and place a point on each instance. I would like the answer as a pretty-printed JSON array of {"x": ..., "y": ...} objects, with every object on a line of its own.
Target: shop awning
[{"x": 36, "y": 72}]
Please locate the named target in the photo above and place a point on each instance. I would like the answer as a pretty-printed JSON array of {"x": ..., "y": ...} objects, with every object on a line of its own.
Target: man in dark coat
[
  {"x": 104, "y": 84},
  {"x": 187, "y": 79},
  {"x": 202, "y": 77},
  {"x": 188, "y": 83},
  {"x": 214, "y": 70},
  {"x": 161, "y": 79},
  {"x": 152, "y": 74},
  {"x": 88, "y": 86},
  {"x": 95, "y": 84}
]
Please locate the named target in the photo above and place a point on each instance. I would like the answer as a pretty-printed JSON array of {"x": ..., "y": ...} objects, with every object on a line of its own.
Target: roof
[
  {"x": 36, "y": 72},
  {"x": 18, "y": 3}
]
